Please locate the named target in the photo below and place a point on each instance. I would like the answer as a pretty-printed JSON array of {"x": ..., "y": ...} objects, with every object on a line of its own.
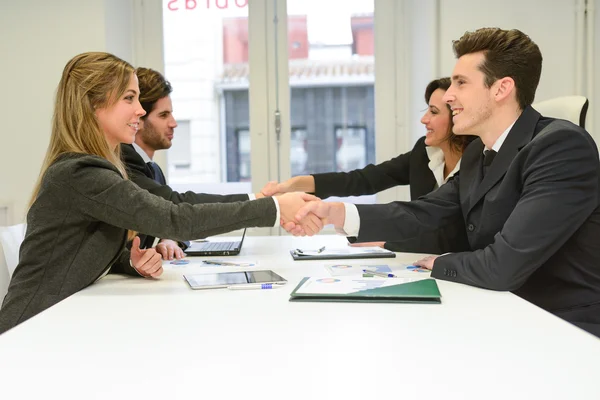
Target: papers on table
[
  {"x": 341, "y": 253},
  {"x": 345, "y": 251},
  {"x": 346, "y": 269},
  {"x": 347, "y": 285},
  {"x": 372, "y": 290}
]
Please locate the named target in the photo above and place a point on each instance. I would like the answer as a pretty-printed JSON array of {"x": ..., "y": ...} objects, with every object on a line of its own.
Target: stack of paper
[{"x": 358, "y": 289}]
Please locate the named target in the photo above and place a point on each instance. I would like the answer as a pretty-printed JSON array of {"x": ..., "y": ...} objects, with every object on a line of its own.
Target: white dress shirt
[
  {"x": 142, "y": 153},
  {"x": 437, "y": 165},
  {"x": 500, "y": 141}
]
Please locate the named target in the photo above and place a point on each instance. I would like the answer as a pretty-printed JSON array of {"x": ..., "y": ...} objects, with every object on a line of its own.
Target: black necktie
[
  {"x": 157, "y": 173},
  {"x": 488, "y": 158}
]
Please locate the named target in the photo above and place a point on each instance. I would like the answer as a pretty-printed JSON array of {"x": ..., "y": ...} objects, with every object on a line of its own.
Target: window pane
[
  {"x": 206, "y": 61},
  {"x": 331, "y": 63}
]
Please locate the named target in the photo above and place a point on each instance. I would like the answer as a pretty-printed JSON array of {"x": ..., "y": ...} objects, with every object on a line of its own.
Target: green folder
[{"x": 421, "y": 291}]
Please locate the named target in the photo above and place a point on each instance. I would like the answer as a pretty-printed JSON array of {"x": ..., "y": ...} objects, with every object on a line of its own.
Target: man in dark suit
[
  {"x": 528, "y": 195},
  {"x": 156, "y": 131}
]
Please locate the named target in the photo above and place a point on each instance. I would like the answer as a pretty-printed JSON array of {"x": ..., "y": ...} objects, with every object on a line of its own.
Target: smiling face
[
  {"x": 120, "y": 121},
  {"x": 472, "y": 103},
  {"x": 157, "y": 129},
  {"x": 436, "y": 120}
]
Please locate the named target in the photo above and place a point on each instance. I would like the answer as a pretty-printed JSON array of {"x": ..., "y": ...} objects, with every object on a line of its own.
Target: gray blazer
[
  {"x": 531, "y": 225},
  {"x": 77, "y": 228}
]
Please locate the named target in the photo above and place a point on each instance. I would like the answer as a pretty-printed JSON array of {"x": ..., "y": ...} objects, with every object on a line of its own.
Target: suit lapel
[
  {"x": 520, "y": 134},
  {"x": 470, "y": 173},
  {"x": 425, "y": 181}
]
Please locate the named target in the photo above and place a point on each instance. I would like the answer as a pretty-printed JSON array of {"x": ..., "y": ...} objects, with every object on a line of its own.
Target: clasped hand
[
  {"x": 289, "y": 206},
  {"x": 310, "y": 214},
  {"x": 147, "y": 262}
]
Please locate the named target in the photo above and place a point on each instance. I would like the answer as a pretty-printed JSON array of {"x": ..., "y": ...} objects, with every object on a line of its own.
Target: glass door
[
  {"x": 206, "y": 51},
  {"x": 331, "y": 80}
]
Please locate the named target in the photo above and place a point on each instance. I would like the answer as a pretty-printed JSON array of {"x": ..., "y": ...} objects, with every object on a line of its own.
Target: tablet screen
[{"x": 225, "y": 279}]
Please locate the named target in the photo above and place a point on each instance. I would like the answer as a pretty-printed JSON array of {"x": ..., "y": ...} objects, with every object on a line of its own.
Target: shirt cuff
[
  {"x": 134, "y": 268},
  {"x": 278, "y": 213},
  {"x": 251, "y": 196},
  {"x": 352, "y": 221}
]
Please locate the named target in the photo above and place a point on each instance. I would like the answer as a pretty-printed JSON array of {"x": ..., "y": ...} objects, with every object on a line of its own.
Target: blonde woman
[{"x": 84, "y": 208}]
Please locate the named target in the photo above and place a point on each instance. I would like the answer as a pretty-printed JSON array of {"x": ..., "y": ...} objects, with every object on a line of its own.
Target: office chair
[
  {"x": 4, "y": 276},
  {"x": 11, "y": 238},
  {"x": 571, "y": 108}
]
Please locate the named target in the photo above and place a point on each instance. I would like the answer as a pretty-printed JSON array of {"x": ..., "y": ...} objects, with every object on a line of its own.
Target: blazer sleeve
[
  {"x": 98, "y": 190},
  {"x": 368, "y": 180},
  {"x": 123, "y": 266},
  {"x": 438, "y": 213},
  {"x": 166, "y": 192},
  {"x": 137, "y": 171},
  {"x": 559, "y": 192}
]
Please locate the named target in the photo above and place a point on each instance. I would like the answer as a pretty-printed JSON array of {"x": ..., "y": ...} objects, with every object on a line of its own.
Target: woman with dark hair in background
[{"x": 434, "y": 159}]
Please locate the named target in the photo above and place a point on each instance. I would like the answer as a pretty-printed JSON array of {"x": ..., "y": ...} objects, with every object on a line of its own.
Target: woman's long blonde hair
[{"x": 89, "y": 81}]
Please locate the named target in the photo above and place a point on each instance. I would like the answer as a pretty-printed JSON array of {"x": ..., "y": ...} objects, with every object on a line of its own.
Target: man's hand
[
  {"x": 147, "y": 262},
  {"x": 169, "y": 249},
  {"x": 289, "y": 204},
  {"x": 367, "y": 244},
  {"x": 329, "y": 212},
  {"x": 426, "y": 262},
  {"x": 303, "y": 183}
]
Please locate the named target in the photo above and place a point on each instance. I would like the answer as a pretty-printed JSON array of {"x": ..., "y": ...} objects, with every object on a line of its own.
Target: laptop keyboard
[{"x": 217, "y": 246}]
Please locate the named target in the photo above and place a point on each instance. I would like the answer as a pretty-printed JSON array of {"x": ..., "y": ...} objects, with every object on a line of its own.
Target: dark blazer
[
  {"x": 143, "y": 176},
  {"x": 407, "y": 169},
  {"x": 530, "y": 226},
  {"x": 77, "y": 228},
  {"x": 410, "y": 168}
]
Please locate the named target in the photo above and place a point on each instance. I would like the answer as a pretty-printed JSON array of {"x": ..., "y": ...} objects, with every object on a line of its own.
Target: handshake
[{"x": 304, "y": 214}]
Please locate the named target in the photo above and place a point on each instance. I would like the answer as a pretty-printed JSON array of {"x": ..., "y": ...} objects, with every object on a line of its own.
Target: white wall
[
  {"x": 555, "y": 33},
  {"x": 37, "y": 38},
  {"x": 424, "y": 59}
]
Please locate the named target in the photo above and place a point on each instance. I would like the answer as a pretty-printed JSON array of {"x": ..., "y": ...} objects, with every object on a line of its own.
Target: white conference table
[{"x": 132, "y": 338}]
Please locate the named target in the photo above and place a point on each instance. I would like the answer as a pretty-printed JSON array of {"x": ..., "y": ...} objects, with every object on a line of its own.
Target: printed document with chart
[{"x": 360, "y": 289}]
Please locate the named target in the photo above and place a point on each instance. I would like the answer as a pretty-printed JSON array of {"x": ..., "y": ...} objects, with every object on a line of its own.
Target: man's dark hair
[
  {"x": 508, "y": 53},
  {"x": 153, "y": 87}
]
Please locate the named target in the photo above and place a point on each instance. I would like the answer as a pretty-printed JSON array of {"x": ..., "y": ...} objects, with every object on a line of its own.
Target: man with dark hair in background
[{"x": 156, "y": 131}]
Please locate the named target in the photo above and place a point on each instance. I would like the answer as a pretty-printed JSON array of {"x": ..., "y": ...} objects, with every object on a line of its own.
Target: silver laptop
[{"x": 216, "y": 248}]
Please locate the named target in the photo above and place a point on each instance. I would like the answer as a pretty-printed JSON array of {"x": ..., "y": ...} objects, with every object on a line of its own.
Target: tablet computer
[{"x": 229, "y": 279}]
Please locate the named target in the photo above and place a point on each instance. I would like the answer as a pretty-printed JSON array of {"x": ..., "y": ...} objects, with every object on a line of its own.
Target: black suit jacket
[
  {"x": 142, "y": 175},
  {"x": 410, "y": 168},
  {"x": 407, "y": 169},
  {"x": 531, "y": 225}
]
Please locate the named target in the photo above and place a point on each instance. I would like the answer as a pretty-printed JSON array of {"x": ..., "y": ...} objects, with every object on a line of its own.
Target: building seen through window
[{"x": 331, "y": 79}]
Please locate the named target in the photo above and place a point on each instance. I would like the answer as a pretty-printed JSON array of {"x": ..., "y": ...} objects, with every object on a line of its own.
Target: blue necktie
[{"x": 157, "y": 172}]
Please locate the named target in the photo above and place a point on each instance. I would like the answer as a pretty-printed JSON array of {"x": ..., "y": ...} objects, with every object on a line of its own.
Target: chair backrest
[
  {"x": 11, "y": 238},
  {"x": 4, "y": 277},
  {"x": 571, "y": 108}
]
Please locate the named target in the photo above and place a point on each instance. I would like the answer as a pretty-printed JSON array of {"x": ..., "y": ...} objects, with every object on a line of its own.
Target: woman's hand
[{"x": 147, "y": 262}]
